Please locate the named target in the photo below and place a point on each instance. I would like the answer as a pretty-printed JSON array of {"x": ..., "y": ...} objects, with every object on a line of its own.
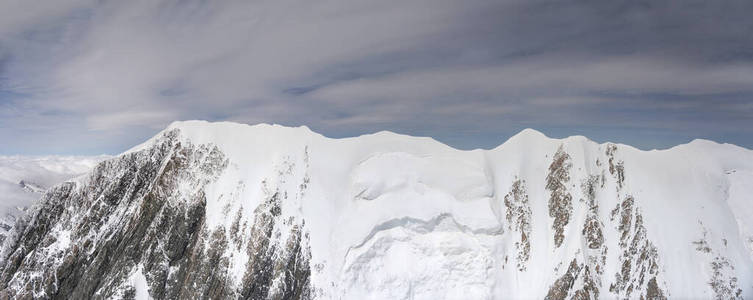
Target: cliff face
[
  {"x": 145, "y": 212},
  {"x": 220, "y": 211},
  {"x": 24, "y": 179}
]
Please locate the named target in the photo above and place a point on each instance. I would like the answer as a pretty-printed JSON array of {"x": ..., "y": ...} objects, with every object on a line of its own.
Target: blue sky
[{"x": 91, "y": 77}]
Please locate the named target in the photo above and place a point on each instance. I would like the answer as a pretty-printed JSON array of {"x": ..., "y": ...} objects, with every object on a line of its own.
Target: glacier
[{"x": 228, "y": 210}]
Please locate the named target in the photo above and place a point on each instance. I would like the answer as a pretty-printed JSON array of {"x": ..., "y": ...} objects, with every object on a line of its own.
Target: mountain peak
[
  {"x": 190, "y": 126},
  {"x": 218, "y": 210},
  {"x": 527, "y": 136},
  {"x": 531, "y": 133}
]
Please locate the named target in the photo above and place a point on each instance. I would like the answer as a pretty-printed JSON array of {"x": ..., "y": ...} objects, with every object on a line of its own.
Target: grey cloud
[{"x": 427, "y": 67}]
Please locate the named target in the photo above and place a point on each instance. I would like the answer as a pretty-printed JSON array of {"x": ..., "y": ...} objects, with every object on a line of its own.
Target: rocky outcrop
[
  {"x": 560, "y": 201},
  {"x": 224, "y": 211},
  {"x": 616, "y": 167},
  {"x": 273, "y": 272},
  {"x": 518, "y": 218},
  {"x": 146, "y": 211},
  {"x": 595, "y": 252},
  {"x": 564, "y": 283},
  {"x": 723, "y": 280},
  {"x": 725, "y": 286},
  {"x": 639, "y": 259},
  {"x": 583, "y": 280}
]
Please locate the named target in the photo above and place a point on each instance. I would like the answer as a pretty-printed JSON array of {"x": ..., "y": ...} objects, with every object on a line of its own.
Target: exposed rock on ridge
[
  {"x": 147, "y": 209},
  {"x": 227, "y": 211}
]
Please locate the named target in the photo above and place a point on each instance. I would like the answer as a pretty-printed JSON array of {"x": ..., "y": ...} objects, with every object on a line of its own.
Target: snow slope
[
  {"x": 389, "y": 216},
  {"x": 23, "y": 180},
  {"x": 394, "y": 216}
]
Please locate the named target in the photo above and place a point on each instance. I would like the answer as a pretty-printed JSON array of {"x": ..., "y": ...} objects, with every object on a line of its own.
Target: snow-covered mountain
[
  {"x": 224, "y": 210},
  {"x": 24, "y": 179}
]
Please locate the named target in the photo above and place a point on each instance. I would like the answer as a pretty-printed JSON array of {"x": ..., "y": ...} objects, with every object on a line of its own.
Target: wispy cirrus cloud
[{"x": 467, "y": 72}]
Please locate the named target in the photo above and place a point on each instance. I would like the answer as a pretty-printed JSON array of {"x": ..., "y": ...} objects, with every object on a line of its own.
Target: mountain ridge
[
  {"x": 529, "y": 133},
  {"x": 390, "y": 216}
]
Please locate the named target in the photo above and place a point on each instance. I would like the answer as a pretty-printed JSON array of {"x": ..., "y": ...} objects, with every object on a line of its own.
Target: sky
[{"x": 99, "y": 76}]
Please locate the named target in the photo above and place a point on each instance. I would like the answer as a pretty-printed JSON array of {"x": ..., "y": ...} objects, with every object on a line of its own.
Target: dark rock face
[
  {"x": 145, "y": 214},
  {"x": 639, "y": 257},
  {"x": 519, "y": 220},
  {"x": 616, "y": 168},
  {"x": 591, "y": 270},
  {"x": 560, "y": 202},
  {"x": 564, "y": 284},
  {"x": 148, "y": 209},
  {"x": 596, "y": 250},
  {"x": 640, "y": 274},
  {"x": 267, "y": 262},
  {"x": 593, "y": 227}
]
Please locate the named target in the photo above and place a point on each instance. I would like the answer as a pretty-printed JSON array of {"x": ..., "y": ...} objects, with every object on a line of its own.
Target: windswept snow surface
[
  {"x": 23, "y": 180},
  {"x": 138, "y": 281},
  {"x": 398, "y": 217}
]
